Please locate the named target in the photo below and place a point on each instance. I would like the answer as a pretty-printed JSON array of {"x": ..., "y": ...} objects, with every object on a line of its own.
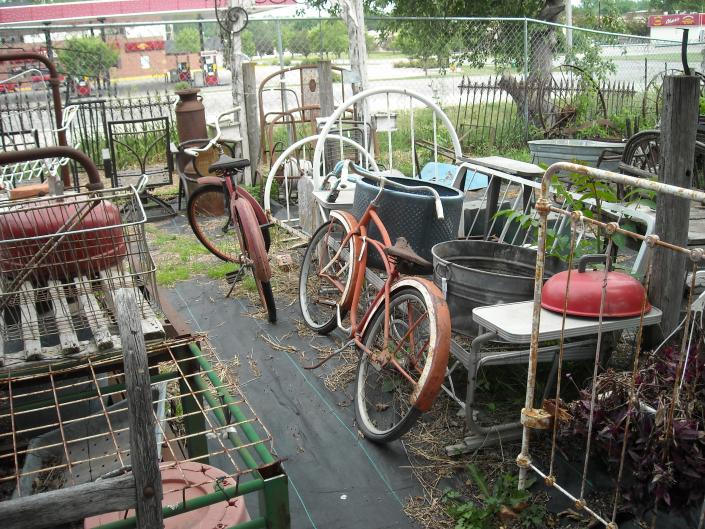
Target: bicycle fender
[
  {"x": 429, "y": 386},
  {"x": 253, "y": 238},
  {"x": 218, "y": 181},
  {"x": 348, "y": 220}
]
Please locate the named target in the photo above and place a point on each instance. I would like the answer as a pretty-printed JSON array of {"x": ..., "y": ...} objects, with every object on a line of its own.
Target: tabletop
[{"x": 512, "y": 322}]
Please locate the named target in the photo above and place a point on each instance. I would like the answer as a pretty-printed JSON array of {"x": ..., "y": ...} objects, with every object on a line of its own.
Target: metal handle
[
  {"x": 386, "y": 181},
  {"x": 594, "y": 258},
  {"x": 194, "y": 151}
]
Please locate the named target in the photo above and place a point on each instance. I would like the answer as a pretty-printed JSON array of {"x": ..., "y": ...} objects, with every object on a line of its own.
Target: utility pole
[{"x": 237, "y": 85}]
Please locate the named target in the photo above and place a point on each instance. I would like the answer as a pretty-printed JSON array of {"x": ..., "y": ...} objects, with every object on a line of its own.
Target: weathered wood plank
[
  {"x": 143, "y": 442},
  {"x": 678, "y": 130},
  {"x": 113, "y": 279},
  {"x": 94, "y": 314},
  {"x": 62, "y": 315},
  {"x": 30, "y": 323},
  {"x": 73, "y": 504}
]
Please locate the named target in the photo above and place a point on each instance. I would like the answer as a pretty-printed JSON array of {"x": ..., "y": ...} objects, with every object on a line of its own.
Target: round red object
[
  {"x": 624, "y": 295},
  {"x": 211, "y": 80},
  {"x": 94, "y": 244},
  {"x": 192, "y": 480}
]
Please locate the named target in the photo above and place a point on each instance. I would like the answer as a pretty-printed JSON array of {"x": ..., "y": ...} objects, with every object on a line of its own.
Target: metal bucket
[
  {"x": 411, "y": 214},
  {"x": 477, "y": 273}
]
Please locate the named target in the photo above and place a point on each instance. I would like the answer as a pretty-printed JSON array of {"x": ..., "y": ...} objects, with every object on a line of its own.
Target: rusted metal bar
[
  {"x": 94, "y": 181},
  {"x": 54, "y": 81}
]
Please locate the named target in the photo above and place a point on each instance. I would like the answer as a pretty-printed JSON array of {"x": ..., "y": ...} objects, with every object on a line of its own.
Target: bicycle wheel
[
  {"x": 392, "y": 393},
  {"x": 253, "y": 248},
  {"x": 320, "y": 294},
  {"x": 208, "y": 213}
]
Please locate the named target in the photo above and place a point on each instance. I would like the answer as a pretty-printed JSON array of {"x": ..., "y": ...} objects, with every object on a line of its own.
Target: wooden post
[
  {"x": 678, "y": 128},
  {"x": 251, "y": 116},
  {"x": 143, "y": 442},
  {"x": 354, "y": 17},
  {"x": 325, "y": 88},
  {"x": 73, "y": 504}
]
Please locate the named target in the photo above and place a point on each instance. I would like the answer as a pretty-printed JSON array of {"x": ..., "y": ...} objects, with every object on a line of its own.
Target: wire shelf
[{"x": 61, "y": 258}]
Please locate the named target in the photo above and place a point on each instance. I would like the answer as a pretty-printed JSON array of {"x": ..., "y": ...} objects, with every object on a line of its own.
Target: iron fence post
[{"x": 274, "y": 501}]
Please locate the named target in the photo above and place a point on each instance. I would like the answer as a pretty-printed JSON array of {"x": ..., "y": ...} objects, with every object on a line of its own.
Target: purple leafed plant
[{"x": 663, "y": 469}]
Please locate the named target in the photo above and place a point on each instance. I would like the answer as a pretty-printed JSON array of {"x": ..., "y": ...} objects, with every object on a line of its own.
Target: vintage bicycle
[
  {"x": 401, "y": 325},
  {"x": 220, "y": 207}
]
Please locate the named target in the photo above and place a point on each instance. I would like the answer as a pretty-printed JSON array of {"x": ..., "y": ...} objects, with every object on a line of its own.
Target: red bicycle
[
  {"x": 220, "y": 207},
  {"x": 401, "y": 324}
]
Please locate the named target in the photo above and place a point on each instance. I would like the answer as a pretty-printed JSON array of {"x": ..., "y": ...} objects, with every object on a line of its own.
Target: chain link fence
[{"x": 502, "y": 81}]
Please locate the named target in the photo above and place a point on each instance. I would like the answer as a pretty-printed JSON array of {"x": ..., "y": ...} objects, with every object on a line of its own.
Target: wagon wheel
[
  {"x": 652, "y": 104},
  {"x": 570, "y": 94},
  {"x": 642, "y": 152}
]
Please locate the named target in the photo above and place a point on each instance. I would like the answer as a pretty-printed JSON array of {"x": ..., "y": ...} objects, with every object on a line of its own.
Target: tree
[
  {"x": 187, "y": 40},
  {"x": 248, "y": 43},
  {"x": 335, "y": 38},
  {"x": 87, "y": 56},
  {"x": 296, "y": 39},
  {"x": 672, "y": 6}
]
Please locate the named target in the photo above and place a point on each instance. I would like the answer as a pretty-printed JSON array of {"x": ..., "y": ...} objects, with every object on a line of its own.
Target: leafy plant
[
  {"x": 87, "y": 56},
  {"x": 664, "y": 466},
  {"x": 505, "y": 502}
]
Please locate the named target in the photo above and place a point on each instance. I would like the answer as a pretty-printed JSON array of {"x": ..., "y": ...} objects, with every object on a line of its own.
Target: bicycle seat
[
  {"x": 226, "y": 163},
  {"x": 401, "y": 250}
]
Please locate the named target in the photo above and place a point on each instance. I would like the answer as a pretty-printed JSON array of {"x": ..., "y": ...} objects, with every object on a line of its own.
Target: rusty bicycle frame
[
  {"x": 538, "y": 418},
  {"x": 351, "y": 297}
]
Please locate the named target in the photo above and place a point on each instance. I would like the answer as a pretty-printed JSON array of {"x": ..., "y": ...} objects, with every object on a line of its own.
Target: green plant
[
  {"x": 87, "y": 56},
  {"x": 504, "y": 501},
  {"x": 586, "y": 196},
  {"x": 181, "y": 85}
]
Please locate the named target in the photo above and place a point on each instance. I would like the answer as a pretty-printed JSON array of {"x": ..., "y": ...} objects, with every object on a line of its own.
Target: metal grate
[{"x": 69, "y": 426}]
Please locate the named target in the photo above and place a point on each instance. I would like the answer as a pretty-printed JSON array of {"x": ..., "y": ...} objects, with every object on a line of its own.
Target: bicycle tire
[
  {"x": 328, "y": 320},
  {"x": 254, "y": 248},
  {"x": 219, "y": 248},
  {"x": 387, "y": 381},
  {"x": 205, "y": 216}
]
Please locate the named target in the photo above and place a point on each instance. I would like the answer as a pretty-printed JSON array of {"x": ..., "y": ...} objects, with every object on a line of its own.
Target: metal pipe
[
  {"x": 198, "y": 503},
  {"x": 247, "y": 429},
  {"x": 220, "y": 417},
  {"x": 9, "y": 157},
  {"x": 54, "y": 81}
]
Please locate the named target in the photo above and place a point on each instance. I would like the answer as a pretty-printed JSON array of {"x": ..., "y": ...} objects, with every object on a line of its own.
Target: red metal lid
[
  {"x": 198, "y": 480},
  {"x": 624, "y": 295}
]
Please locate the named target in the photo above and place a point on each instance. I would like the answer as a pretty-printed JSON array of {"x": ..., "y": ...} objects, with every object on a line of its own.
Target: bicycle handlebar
[
  {"x": 384, "y": 181},
  {"x": 194, "y": 151}
]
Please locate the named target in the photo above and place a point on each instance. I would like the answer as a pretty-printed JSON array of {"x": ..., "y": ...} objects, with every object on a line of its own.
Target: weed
[{"x": 503, "y": 504}]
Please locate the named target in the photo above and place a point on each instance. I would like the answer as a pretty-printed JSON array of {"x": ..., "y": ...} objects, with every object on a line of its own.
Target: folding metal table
[{"x": 510, "y": 323}]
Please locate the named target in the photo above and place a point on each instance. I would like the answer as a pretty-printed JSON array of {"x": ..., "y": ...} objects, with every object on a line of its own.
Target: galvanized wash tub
[
  {"x": 411, "y": 214},
  {"x": 477, "y": 273},
  {"x": 567, "y": 150}
]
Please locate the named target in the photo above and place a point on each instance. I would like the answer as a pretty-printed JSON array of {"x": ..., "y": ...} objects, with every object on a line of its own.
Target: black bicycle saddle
[{"x": 226, "y": 163}]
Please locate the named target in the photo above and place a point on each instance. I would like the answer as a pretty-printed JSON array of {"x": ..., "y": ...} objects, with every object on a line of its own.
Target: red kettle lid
[{"x": 624, "y": 296}]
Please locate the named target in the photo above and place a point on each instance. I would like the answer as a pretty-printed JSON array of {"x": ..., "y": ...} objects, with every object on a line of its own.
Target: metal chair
[{"x": 137, "y": 148}]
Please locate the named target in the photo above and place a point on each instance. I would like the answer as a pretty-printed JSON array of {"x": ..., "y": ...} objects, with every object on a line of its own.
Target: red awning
[{"x": 94, "y": 9}]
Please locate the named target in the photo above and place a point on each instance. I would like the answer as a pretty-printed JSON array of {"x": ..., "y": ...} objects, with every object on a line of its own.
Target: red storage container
[{"x": 94, "y": 244}]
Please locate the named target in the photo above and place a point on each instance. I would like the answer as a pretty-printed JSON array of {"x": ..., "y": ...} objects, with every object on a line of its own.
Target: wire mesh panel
[
  {"x": 69, "y": 427},
  {"x": 60, "y": 260}
]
